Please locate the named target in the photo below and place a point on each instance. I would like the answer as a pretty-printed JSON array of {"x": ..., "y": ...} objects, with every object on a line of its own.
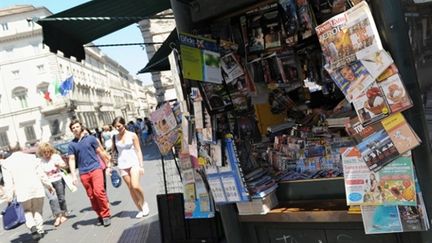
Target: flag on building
[{"x": 66, "y": 86}]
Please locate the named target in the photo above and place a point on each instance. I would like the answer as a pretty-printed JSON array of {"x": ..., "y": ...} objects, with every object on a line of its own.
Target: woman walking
[
  {"x": 130, "y": 163},
  {"x": 51, "y": 164},
  {"x": 25, "y": 179}
]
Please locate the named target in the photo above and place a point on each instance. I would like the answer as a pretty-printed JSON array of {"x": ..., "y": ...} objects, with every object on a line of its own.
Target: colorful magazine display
[
  {"x": 392, "y": 185},
  {"x": 384, "y": 141}
]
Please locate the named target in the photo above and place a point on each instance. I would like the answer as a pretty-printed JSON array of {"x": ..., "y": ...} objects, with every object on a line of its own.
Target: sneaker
[
  {"x": 145, "y": 209},
  {"x": 35, "y": 234},
  {"x": 99, "y": 221},
  {"x": 106, "y": 222},
  {"x": 140, "y": 215}
]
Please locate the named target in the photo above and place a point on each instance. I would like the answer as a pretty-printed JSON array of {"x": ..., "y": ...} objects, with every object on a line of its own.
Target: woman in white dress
[{"x": 130, "y": 163}]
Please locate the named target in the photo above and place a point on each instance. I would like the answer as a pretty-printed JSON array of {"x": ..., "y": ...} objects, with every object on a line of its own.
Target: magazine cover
[
  {"x": 371, "y": 105},
  {"x": 255, "y": 33},
  {"x": 167, "y": 141},
  {"x": 396, "y": 95},
  {"x": 352, "y": 79},
  {"x": 401, "y": 133},
  {"x": 272, "y": 28},
  {"x": 393, "y": 185},
  {"x": 362, "y": 31},
  {"x": 289, "y": 67},
  {"x": 163, "y": 120},
  {"x": 216, "y": 97},
  {"x": 335, "y": 42},
  {"x": 377, "y": 62},
  {"x": 306, "y": 18},
  {"x": 200, "y": 58},
  {"x": 290, "y": 21},
  {"x": 231, "y": 67},
  {"x": 391, "y": 219},
  {"x": 384, "y": 141},
  {"x": 390, "y": 71},
  {"x": 381, "y": 219}
]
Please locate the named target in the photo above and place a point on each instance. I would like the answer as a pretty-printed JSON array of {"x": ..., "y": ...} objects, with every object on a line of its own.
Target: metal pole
[{"x": 389, "y": 17}]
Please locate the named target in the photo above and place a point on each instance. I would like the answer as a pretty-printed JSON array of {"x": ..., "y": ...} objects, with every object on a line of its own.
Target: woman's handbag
[{"x": 13, "y": 215}]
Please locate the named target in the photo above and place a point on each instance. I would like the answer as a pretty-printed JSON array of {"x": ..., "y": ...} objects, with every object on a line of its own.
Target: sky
[{"x": 133, "y": 58}]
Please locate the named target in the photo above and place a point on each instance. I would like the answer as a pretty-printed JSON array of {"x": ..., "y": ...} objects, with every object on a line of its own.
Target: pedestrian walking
[
  {"x": 106, "y": 136},
  {"x": 83, "y": 151},
  {"x": 52, "y": 164},
  {"x": 25, "y": 180},
  {"x": 130, "y": 163}
]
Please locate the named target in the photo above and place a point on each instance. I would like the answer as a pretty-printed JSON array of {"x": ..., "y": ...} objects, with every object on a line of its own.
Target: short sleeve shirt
[{"x": 84, "y": 150}]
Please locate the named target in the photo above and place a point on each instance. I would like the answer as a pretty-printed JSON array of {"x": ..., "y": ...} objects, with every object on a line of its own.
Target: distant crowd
[{"x": 30, "y": 176}]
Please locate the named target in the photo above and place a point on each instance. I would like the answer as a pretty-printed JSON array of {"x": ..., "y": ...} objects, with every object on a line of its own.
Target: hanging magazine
[
  {"x": 349, "y": 36},
  {"x": 395, "y": 93},
  {"x": 392, "y": 185},
  {"x": 384, "y": 141},
  {"x": 352, "y": 79},
  {"x": 371, "y": 105}
]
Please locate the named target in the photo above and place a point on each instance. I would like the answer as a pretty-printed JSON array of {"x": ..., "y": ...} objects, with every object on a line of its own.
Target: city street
[{"x": 81, "y": 226}]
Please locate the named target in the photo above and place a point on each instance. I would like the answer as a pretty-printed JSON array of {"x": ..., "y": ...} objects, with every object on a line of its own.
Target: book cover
[
  {"x": 290, "y": 21},
  {"x": 395, "y": 93},
  {"x": 306, "y": 18},
  {"x": 255, "y": 33},
  {"x": 272, "y": 28},
  {"x": 371, "y": 105}
]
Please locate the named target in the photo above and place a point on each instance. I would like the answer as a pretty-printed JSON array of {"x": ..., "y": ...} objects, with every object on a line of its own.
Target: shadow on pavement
[
  {"x": 145, "y": 231},
  {"x": 76, "y": 225},
  {"x": 125, "y": 214},
  {"x": 115, "y": 203},
  {"x": 86, "y": 209},
  {"x": 23, "y": 238}
]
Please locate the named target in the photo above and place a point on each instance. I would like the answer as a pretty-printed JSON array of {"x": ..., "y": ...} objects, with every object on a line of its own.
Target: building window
[
  {"x": 40, "y": 68},
  {"x": 20, "y": 93},
  {"x": 42, "y": 90},
  {"x": 4, "y": 140},
  {"x": 30, "y": 133},
  {"x": 55, "y": 127},
  {"x": 5, "y": 26}
]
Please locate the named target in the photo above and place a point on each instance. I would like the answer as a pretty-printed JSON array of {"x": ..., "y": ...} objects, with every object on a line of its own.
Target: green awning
[
  {"x": 159, "y": 61},
  {"x": 69, "y": 30}
]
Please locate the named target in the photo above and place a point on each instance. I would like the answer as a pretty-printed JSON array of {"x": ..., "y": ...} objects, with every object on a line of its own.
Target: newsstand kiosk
[{"x": 309, "y": 210}]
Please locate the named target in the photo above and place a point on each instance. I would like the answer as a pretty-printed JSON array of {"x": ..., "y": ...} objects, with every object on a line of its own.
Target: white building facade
[
  {"x": 156, "y": 30},
  {"x": 30, "y": 108}
]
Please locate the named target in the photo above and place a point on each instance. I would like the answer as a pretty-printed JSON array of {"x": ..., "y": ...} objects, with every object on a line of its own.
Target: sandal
[
  {"x": 63, "y": 219},
  {"x": 57, "y": 221}
]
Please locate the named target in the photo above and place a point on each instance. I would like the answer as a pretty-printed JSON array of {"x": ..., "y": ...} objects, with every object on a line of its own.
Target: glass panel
[{"x": 419, "y": 20}]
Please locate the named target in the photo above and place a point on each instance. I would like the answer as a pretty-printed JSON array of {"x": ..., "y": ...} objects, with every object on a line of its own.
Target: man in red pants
[{"x": 83, "y": 151}]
